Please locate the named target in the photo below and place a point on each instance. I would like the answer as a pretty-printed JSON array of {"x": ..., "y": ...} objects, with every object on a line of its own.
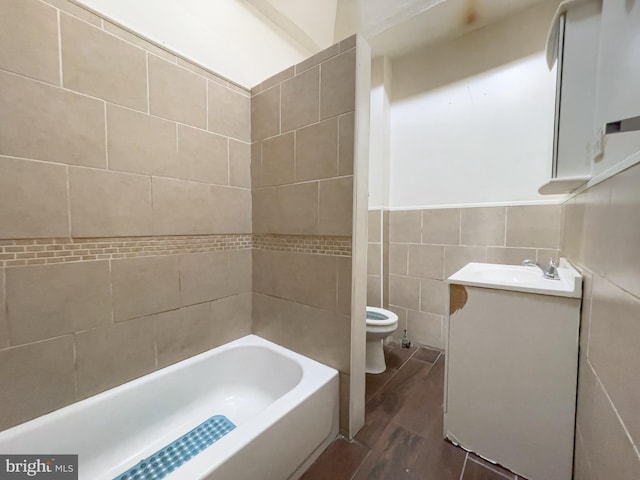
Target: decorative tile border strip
[
  {"x": 42, "y": 251},
  {"x": 318, "y": 245},
  {"x": 60, "y": 250}
]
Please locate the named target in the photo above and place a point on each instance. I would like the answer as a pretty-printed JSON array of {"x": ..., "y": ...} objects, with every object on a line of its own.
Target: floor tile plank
[
  {"x": 439, "y": 461},
  {"x": 393, "y": 456},
  {"x": 381, "y": 408},
  {"x": 338, "y": 462},
  {"x": 424, "y": 407}
]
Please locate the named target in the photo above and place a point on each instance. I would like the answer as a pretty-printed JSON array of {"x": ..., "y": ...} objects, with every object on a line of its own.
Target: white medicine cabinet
[
  {"x": 595, "y": 45},
  {"x": 573, "y": 46}
]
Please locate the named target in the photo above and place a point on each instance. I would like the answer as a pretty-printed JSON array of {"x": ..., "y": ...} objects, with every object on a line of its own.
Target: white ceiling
[{"x": 250, "y": 40}]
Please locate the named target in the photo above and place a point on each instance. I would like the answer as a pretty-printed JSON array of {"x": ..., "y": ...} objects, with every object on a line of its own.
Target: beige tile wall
[
  {"x": 132, "y": 218},
  {"x": 302, "y": 172},
  {"x": 125, "y": 207},
  {"x": 426, "y": 246},
  {"x": 131, "y": 118},
  {"x": 601, "y": 231}
]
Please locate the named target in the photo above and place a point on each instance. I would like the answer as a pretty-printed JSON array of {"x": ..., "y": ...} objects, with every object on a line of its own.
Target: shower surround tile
[
  {"x": 337, "y": 80},
  {"x": 229, "y": 112},
  {"x": 4, "y": 328},
  {"x": 176, "y": 93},
  {"x": 300, "y": 100},
  {"x": 45, "y": 367},
  {"x": 231, "y": 209},
  {"x": 278, "y": 164},
  {"x": 100, "y": 368},
  {"x": 101, "y": 65},
  {"x": 239, "y": 164},
  {"x": 144, "y": 286},
  {"x": 139, "y": 143},
  {"x": 289, "y": 209},
  {"x": 265, "y": 114},
  {"x": 29, "y": 40},
  {"x": 35, "y": 130},
  {"x": 109, "y": 204},
  {"x": 335, "y": 215},
  {"x": 181, "y": 207},
  {"x": 33, "y": 199},
  {"x": 77, "y": 11},
  {"x": 203, "y": 157},
  {"x": 203, "y": 277},
  {"x": 47, "y": 301},
  {"x": 316, "y": 151},
  {"x": 346, "y": 133},
  {"x": 98, "y": 209},
  {"x": 318, "y": 58},
  {"x": 302, "y": 177}
]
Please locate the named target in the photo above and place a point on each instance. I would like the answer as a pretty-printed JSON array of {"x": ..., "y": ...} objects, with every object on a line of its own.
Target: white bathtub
[{"x": 284, "y": 406}]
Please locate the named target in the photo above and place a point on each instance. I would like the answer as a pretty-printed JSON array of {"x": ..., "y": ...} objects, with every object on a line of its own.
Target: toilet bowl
[{"x": 380, "y": 324}]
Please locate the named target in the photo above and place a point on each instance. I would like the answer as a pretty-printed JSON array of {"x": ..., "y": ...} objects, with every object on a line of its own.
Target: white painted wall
[
  {"x": 472, "y": 118},
  {"x": 379, "y": 151},
  {"x": 227, "y": 36}
]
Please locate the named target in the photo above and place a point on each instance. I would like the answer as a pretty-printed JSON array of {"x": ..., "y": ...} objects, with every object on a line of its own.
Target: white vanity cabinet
[{"x": 511, "y": 368}]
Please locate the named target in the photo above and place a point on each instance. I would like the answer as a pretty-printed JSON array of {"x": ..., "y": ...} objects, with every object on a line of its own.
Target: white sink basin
[
  {"x": 516, "y": 275},
  {"x": 520, "y": 279}
]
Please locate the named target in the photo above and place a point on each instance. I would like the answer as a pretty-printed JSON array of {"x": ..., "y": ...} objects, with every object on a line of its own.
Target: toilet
[{"x": 380, "y": 324}]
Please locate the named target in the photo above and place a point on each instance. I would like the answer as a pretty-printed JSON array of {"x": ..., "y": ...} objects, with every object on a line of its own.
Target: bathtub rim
[{"x": 314, "y": 376}]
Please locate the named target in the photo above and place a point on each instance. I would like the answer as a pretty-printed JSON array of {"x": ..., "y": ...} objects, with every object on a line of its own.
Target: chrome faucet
[{"x": 550, "y": 271}]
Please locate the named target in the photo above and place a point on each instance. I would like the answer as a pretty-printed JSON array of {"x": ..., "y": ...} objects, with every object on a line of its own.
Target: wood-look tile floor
[{"x": 402, "y": 435}]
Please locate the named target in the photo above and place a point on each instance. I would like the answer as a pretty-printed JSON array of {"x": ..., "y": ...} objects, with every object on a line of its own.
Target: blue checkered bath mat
[{"x": 167, "y": 459}]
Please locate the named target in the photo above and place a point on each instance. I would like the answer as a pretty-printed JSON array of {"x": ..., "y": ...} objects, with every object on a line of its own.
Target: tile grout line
[
  {"x": 228, "y": 162},
  {"x": 362, "y": 462},
  {"x": 67, "y": 174},
  {"x": 146, "y": 57},
  {"x": 381, "y": 387},
  {"x": 75, "y": 367},
  {"x": 61, "y": 72},
  {"x": 464, "y": 466},
  {"x": 116, "y": 104},
  {"x": 338, "y": 147},
  {"x": 106, "y": 135}
]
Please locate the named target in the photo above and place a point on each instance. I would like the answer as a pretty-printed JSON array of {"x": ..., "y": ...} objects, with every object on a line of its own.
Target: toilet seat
[{"x": 379, "y": 317}]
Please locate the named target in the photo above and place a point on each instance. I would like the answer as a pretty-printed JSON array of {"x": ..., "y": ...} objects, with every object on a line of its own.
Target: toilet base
[{"x": 375, "y": 357}]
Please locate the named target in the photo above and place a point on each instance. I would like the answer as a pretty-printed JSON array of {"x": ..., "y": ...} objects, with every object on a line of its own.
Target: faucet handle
[{"x": 552, "y": 263}]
